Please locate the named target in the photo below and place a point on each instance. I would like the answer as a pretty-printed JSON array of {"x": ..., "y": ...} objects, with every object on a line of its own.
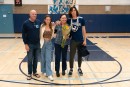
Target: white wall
[
  {"x": 104, "y": 2},
  {"x": 79, "y": 2}
]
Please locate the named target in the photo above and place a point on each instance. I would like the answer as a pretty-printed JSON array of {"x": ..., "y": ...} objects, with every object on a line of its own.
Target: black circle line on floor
[
  {"x": 49, "y": 83},
  {"x": 120, "y": 69}
]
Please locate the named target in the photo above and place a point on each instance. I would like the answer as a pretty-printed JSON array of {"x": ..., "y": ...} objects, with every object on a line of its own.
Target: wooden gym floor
[{"x": 96, "y": 73}]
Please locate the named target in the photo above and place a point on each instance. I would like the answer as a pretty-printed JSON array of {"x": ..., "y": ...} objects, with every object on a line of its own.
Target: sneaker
[
  {"x": 57, "y": 74},
  {"x": 63, "y": 73},
  {"x": 44, "y": 74},
  {"x": 70, "y": 73},
  {"x": 29, "y": 77},
  {"x": 50, "y": 78},
  {"x": 80, "y": 72}
]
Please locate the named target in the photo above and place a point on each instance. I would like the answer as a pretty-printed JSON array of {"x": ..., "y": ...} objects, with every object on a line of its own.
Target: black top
[
  {"x": 31, "y": 32},
  {"x": 77, "y": 25}
]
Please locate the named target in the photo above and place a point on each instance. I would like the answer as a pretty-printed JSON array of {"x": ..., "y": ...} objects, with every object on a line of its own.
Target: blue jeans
[
  {"x": 46, "y": 55},
  {"x": 58, "y": 52},
  {"x": 33, "y": 54}
]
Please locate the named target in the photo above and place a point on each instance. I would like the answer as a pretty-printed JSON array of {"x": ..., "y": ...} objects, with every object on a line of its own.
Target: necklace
[{"x": 75, "y": 28}]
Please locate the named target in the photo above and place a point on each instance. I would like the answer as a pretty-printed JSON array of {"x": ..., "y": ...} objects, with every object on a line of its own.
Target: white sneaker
[
  {"x": 44, "y": 74},
  {"x": 51, "y": 78}
]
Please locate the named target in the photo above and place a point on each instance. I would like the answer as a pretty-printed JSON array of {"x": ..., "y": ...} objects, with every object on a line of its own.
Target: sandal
[
  {"x": 29, "y": 77},
  {"x": 36, "y": 75}
]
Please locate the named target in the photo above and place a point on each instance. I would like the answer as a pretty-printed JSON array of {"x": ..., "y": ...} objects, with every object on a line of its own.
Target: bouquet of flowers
[{"x": 65, "y": 33}]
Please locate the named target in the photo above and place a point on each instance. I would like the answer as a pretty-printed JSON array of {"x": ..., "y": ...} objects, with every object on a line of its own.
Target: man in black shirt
[{"x": 31, "y": 39}]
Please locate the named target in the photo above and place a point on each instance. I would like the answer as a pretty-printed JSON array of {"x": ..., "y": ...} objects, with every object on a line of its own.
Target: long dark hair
[
  {"x": 70, "y": 11},
  {"x": 50, "y": 24}
]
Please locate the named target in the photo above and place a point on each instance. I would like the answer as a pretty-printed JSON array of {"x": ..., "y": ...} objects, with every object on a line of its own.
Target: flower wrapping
[{"x": 65, "y": 33}]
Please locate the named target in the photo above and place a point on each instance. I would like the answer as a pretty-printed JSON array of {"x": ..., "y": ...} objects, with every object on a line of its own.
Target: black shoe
[
  {"x": 80, "y": 72},
  {"x": 57, "y": 74},
  {"x": 36, "y": 75},
  {"x": 70, "y": 73},
  {"x": 63, "y": 73}
]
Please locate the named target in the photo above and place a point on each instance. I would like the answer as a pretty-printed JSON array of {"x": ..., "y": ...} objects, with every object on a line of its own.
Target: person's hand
[
  {"x": 54, "y": 36},
  {"x": 53, "y": 24},
  {"x": 58, "y": 22},
  {"x": 84, "y": 43},
  {"x": 66, "y": 37},
  {"x": 27, "y": 47}
]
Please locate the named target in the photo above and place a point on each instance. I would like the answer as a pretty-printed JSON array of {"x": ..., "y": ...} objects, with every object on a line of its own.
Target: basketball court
[{"x": 108, "y": 43}]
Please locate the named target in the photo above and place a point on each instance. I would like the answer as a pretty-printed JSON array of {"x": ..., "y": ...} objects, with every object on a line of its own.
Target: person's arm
[
  {"x": 84, "y": 35},
  {"x": 41, "y": 33},
  {"x": 54, "y": 31},
  {"x": 58, "y": 22},
  {"x": 84, "y": 32},
  {"x": 24, "y": 36},
  {"x": 42, "y": 29}
]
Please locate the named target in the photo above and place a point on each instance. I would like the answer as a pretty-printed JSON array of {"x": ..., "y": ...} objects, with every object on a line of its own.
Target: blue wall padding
[{"x": 109, "y": 23}]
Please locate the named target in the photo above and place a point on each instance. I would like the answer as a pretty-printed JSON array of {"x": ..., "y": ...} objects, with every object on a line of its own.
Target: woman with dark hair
[
  {"x": 60, "y": 46},
  {"x": 46, "y": 34},
  {"x": 78, "y": 36}
]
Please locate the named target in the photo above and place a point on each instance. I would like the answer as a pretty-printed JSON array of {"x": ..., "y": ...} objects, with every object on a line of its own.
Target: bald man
[{"x": 31, "y": 39}]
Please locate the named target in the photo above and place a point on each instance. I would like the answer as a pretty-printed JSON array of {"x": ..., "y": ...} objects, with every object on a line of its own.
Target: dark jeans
[
  {"x": 58, "y": 52},
  {"x": 33, "y": 54},
  {"x": 73, "y": 47}
]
